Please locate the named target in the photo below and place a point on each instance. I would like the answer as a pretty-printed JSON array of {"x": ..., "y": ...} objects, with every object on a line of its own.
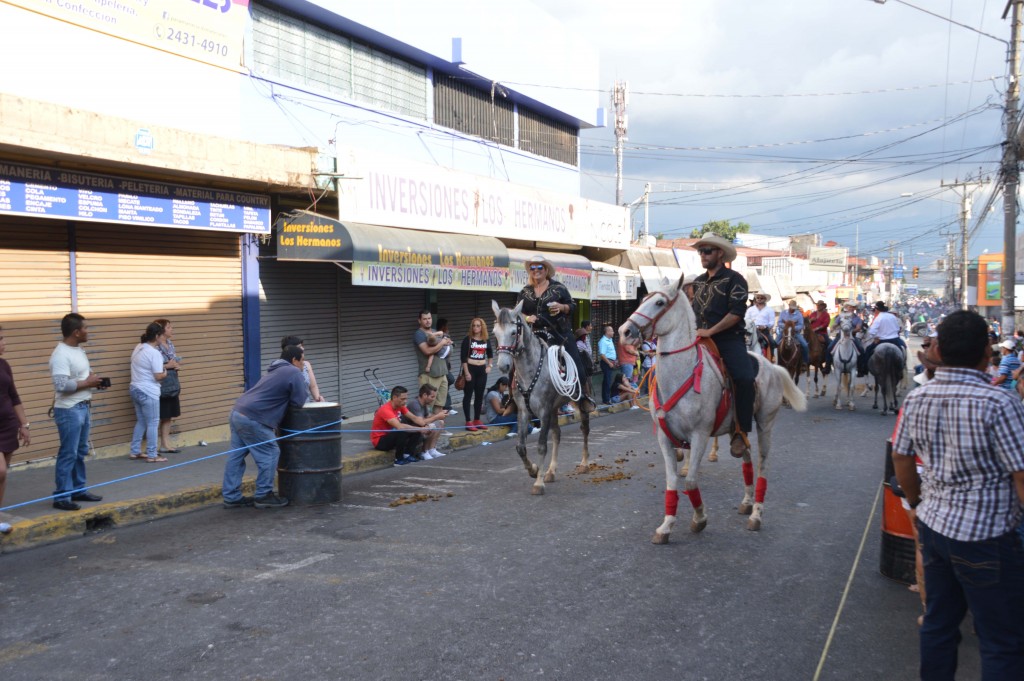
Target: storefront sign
[
  {"x": 613, "y": 286},
  {"x": 416, "y": 196},
  {"x": 827, "y": 259},
  {"x": 396, "y": 258},
  {"x": 210, "y": 31},
  {"x": 577, "y": 281},
  {"x": 55, "y": 193}
]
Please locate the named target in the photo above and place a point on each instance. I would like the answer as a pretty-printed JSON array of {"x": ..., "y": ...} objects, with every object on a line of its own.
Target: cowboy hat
[
  {"x": 538, "y": 259},
  {"x": 821, "y": 303},
  {"x": 792, "y": 302},
  {"x": 881, "y": 306},
  {"x": 767, "y": 296},
  {"x": 580, "y": 333},
  {"x": 689, "y": 279},
  {"x": 715, "y": 241}
]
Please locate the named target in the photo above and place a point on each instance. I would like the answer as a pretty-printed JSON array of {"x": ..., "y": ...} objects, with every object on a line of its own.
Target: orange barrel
[{"x": 897, "y": 556}]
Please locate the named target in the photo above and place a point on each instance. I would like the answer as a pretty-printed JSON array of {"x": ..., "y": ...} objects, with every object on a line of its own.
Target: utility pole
[
  {"x": 620, "y": 97},
  {"x": 892, "y": 272},
  {"x": 1011, "y": 171},
  {"x": 964, "y": 189}
]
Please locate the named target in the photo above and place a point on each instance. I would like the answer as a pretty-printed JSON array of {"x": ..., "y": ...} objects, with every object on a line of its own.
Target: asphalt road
[{"x": 485, "y": 581}]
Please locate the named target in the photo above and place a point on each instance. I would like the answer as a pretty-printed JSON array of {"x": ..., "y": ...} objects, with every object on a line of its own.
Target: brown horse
[
  {"x": 816, "y": 347},
  {"x": 790, "y": 356}
]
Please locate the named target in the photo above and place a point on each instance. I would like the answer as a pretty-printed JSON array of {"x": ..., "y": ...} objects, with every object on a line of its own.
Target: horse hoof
[
  {"x": 713, "y": 456},
  {"x": 684, "y": 471},
  {"x": 746, "y": 509},
  {"x": 874, "y": 406},
  {"x": 853, "y": 408},
  {"x": 837, "y": 407},
  {"x": 659, "y": 538},
  {"x": 549, "y": 477},
  {"x": 537, "y": 491},
  {"x": 696, "y": 527},
  {"x": 532, "y": 472},
  {"x": 582, "y": 469},
  {"x": 754, "y": 524}
]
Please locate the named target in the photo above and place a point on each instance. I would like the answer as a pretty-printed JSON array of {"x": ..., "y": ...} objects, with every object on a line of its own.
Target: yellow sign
[{"x": 210, "y": 31}]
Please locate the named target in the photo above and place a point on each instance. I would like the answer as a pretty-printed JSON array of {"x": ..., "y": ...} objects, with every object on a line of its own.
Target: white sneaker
[
  {"x": 534, "y": 430},
  {"x": 426, "y": 456},
  {"x": 512, "y": 434},
  {"x": 436, "y": 453},
  {"x": 453, "y": 412},
  {"x": 5, "y": 528},
  {"x": 634, "y": 407}
]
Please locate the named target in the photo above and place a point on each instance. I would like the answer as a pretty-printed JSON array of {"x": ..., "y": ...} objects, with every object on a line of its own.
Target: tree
[{"x": 722, "y": 228}]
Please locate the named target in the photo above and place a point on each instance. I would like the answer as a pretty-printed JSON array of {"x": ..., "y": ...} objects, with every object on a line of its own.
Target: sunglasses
[
  {"x": 704, "y": 250},
  {"x": 536, "y": 268}
]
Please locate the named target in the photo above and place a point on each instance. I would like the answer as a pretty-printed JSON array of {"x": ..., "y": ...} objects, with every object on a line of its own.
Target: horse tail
[{"x": 792, "y": 393}]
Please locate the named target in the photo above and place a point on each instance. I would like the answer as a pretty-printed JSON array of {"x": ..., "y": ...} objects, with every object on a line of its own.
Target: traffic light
[{"x": 916, "y": 270}]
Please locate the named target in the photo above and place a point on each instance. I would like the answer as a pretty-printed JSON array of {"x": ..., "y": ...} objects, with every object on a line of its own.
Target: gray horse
[
  {"x": 685, "y": 403},
  {"x": 888, "y": 366},
  {"x": 844, "y": 362},
  {"x": 534, "y": 392}
]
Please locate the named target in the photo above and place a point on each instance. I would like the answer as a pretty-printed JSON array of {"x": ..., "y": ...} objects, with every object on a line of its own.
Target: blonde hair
[{"x": 483, "y": 325}]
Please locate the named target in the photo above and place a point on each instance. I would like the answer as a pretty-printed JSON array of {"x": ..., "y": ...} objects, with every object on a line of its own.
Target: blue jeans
[
  {"x": 73, "y": 428},
  {"x": 799, "y": 339},
  {"x": 147, "y": 419},
  {"x": 250, "y": 437},
  {"x": 985, "y": 576},
  {"x": 507, "y": 420},
  {"x": 608, "y": 375}
]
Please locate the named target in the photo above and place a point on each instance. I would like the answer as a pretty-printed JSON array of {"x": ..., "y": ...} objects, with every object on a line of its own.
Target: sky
[{"x": 837, "y": 117}]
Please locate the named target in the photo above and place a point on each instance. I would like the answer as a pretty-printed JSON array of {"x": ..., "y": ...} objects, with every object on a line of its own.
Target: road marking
[
  {"x": 372, "y": 508},
  {"x": 373, "y": 494},
  {"x": 414, "y": 485},
  {"x": 279, "y": 569},
  {"x": 451, "y": 468},
  {"x": 454, "y": 482}
]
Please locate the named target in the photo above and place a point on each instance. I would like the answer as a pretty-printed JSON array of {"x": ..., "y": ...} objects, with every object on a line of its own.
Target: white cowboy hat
[
  {"x": 689, "y": 279},
  {"x": 793, "y": 303},
  {"x": 539, "y": 259},
  {"x": 767, "y": 296},
  {"x": 715, "y": 241}
]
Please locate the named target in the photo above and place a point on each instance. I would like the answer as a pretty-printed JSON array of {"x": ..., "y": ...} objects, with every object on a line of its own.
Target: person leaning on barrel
[
  {"x": 548, "y": 307},
  {"x": 257, "y": 413}
]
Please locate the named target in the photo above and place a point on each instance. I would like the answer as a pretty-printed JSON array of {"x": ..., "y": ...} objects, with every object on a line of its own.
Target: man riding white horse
[
  {"x": 719, "y": 302},
  {"x": 764, "y": 318},
  {"x": 849, "y": 314},
  {"x": 793, "y": 314},
  {"x": 885, "y": 328}
]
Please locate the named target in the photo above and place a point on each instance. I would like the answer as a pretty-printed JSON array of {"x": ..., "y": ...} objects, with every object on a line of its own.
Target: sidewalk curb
[{"x": 29, "y": 533}]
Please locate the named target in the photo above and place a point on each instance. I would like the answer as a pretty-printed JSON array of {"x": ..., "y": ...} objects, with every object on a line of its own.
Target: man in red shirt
[
  {"x": 819, "y": 321},
  {"x": 389, "y": 432}
]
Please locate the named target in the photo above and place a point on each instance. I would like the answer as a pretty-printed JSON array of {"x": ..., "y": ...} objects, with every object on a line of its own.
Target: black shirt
[
  {"x": 713, "y": 298},
  {"x": 534, "y": 305}
]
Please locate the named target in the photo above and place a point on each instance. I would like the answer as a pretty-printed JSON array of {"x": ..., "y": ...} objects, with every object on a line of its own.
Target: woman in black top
[
  {"x": 13, "y": 423},
  {"x": 548, "y": 307},
  {"x": 476, "y": 364}
]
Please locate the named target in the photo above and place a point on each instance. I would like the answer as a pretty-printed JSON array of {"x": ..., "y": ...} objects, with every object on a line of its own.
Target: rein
[{"x": 514, "y": 351}]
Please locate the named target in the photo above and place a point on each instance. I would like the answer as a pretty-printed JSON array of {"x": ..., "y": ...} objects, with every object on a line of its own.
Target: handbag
[
  {"x": 460, "y": 382},
  {"x": 170, "y": 386}
]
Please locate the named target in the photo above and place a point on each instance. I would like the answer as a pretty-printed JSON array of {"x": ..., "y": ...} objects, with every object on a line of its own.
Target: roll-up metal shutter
[
  {"x": 35, "y": 293},
  {"x": 301, "y": 299},
  {"x": 129, "y": 276},
  {"x": 459, "y": 308},
  {"x": 377, "y": 325}
]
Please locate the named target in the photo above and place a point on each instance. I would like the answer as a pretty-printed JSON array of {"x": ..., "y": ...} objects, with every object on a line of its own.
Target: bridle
[
  {"x": 652, "y": 321},
  {"x": 517, "y": 346}
]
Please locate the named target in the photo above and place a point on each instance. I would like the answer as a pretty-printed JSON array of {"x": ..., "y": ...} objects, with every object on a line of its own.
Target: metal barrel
[
  {"x": 309, "y": 470},
  {"x": 896, "y": 559}
]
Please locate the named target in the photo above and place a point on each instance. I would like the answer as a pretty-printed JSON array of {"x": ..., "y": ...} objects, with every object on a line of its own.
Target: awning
[
  {"x": 637, "y": 256},
  {"x": 654, "y": 277},
  {"x": 613, "y": 283},
  {"x": 572, "y": 270},
  {"x": 400, "y": 258}
]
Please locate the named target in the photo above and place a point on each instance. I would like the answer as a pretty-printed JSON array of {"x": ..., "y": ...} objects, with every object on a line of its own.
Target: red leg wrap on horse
[
  {"x": 671, "y": 502},
  {"x": 694, "y": 495},
  {"x": 748, "y": 473},
  {"x": 762, "y": 485}
]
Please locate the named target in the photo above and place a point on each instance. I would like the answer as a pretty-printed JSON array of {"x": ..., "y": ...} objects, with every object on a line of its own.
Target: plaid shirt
[{"x": 969, "y": 436}]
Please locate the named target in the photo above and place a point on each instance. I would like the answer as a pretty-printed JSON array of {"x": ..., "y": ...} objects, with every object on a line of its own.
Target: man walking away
[
  {"x": 969, "y": 436},
  {"x": 257, "y": 413}
]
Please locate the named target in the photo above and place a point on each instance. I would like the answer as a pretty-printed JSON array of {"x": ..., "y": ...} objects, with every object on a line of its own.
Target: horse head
[
  {"x": 510, "y": 330},
  {"x": 846, "y": 330},
  {"x": 660, "y": 314}
]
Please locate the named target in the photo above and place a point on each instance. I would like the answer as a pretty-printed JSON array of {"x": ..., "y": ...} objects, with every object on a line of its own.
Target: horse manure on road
[
  {"x": 618, "y": 475},
  {"x": 417, "y": 498}
]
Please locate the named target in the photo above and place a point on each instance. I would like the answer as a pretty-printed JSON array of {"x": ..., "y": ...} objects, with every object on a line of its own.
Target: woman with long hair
[
  {"x": 14, "y": 426},
  {"x": 148, "y": 369},
  {"x": 476, "y": 364},
  {"x": 170, "y": 404}
]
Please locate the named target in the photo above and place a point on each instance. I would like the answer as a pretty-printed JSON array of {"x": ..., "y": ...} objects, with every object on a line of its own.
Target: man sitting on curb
[
  {"x": 419, "y": 414},
  {"x": 389, "y": 432},
  {"x": 257, "y": 413}
]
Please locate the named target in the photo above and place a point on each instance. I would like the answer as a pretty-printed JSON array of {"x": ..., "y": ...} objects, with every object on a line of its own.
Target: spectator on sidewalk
[
  {"x": 476, "y": 359},
  {"x": 420, "y": 415},
  {"x": 307, "y": 369},
  {"x": 14, "y": 425},
  {"x": 389, "y": 432},
  {"x": 432, "y": 373},
  {"x": 969, "y": 436},
  {"x": 257, "y": 414},
  {"x": 148, "y": 370},
  {"x": 170, "y": 388},
  {"x": 442, "y": 329},
  {"x": 1008, "y": 365},
  {"x": 626, "y": 356},
  {"x": 500, "y": 409},
  {"x": 624, "y": 391},
  {"x": 73, "y": 383},
  {"x": 609, "y": 362}
]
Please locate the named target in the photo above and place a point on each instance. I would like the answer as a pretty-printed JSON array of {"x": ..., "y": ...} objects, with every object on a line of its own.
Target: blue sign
[
  {"x": 41, "y": 192},
  {"x": 897, "y": 271},
  {"x": 910, "y": 289}
]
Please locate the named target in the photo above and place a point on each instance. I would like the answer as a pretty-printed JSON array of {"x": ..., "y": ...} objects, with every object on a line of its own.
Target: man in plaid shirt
[{"x": 969, "y": 436}]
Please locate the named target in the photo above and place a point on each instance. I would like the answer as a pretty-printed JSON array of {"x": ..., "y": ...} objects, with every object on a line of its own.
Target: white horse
[
  {"x": 685, "y": 404},
  {"x": 844, "y": 363}
]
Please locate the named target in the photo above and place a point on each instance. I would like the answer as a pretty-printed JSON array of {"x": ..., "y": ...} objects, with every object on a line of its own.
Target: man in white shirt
[
  {"x": 885, "y": 328},
  {"x": 73, "y": 383},
  {"x": 763, "y": 316}
]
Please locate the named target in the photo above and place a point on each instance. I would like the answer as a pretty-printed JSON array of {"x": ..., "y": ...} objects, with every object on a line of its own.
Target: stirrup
[{"x": 739, "y": 445}]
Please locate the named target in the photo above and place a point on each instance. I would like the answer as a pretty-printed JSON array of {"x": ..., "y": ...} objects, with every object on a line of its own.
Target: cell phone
[{"x": 104, "y": 382}]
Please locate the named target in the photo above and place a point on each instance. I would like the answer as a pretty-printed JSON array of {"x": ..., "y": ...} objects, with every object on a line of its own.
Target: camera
[{"x": 104, "y": 383}]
